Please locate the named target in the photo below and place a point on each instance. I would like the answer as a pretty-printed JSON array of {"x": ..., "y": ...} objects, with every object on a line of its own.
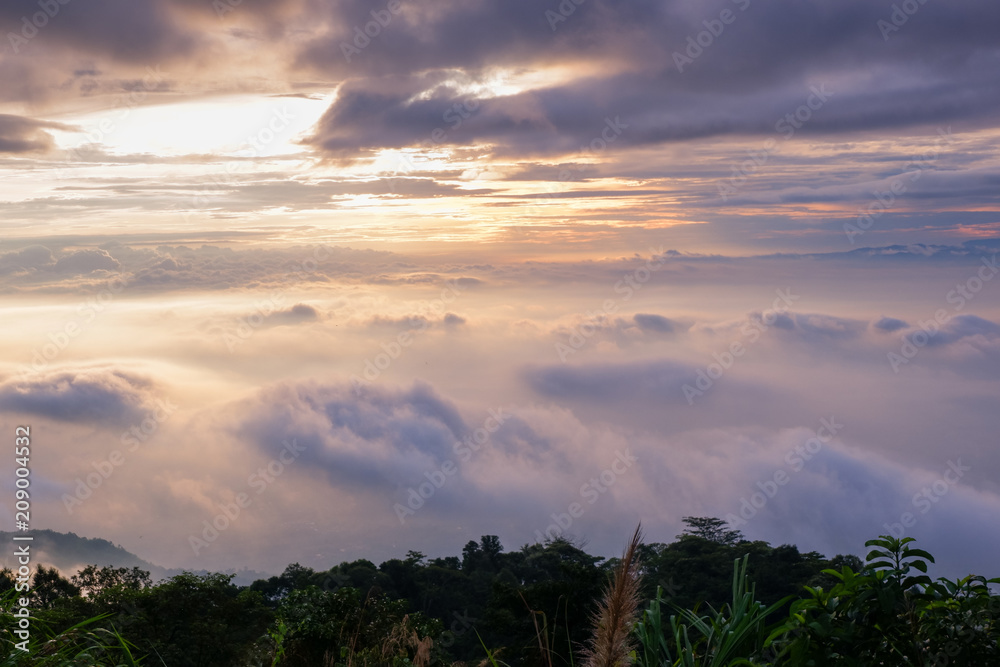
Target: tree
[
  {"x": 92, "y": 581},
  {"x": 490, "y": 545},
  {"x": 470, "y": 555},
  {"x": 713, "y": 530},
  {"x": 325, "y": 625},
  {"x": 48, "y": 586},
  {"x": 195, "y": 620},
  {"x": 294, "y": 577},
  {"x": 7, "y": 580}
]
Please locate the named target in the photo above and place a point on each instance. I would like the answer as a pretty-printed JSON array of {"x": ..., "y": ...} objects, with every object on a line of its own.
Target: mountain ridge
[{"x": 69, "y": 552}]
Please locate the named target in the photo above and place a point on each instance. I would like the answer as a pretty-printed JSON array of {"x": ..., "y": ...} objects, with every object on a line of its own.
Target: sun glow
[{"x": 239, "y": 126}]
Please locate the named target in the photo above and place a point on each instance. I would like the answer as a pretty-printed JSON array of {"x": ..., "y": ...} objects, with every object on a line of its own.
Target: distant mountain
[{"x": 68, "y": 552}]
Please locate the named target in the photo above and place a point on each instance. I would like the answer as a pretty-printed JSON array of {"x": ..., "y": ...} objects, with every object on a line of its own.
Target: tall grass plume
[{"x": 612, "y": 642}]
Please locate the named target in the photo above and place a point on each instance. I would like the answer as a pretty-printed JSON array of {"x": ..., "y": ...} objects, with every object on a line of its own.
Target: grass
[
  {"x": 612, "y": 644},
  {"x": 81, "y": 644},
  {"x": 721, "y": 638}
]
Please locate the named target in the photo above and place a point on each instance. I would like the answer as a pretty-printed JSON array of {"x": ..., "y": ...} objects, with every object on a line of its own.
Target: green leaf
[{"x": 918, "y": 553}]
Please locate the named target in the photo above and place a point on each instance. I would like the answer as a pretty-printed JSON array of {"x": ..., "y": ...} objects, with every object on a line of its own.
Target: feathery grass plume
[{"x": 612, "y": 641}]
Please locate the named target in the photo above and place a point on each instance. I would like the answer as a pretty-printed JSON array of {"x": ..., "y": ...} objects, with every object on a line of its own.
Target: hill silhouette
[{"x": 69, "y": 552}]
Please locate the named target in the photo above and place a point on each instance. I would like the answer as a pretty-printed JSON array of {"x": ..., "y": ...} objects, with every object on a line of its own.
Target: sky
[{"x": 317, "y": 280}]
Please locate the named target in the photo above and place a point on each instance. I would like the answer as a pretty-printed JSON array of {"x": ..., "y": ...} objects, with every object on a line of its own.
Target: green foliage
[
  {"x": 83, "y": 644},
  {"x": 322, "y": 626},
  {"x": 887, "y": 615},
  {"x": 696, "y": 570},
  {"x": 529, "y": 607},
  {"x": 93, "y": 581},
  {"x": 48, "y": 586},
  {"x": 733, "y": 635}
]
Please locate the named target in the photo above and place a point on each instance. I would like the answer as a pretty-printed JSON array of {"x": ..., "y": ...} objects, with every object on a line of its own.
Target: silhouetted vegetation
[{"x": 709, "y": 598}]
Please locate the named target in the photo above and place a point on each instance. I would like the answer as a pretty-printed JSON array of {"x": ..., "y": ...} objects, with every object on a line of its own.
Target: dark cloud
[
  {"x": 25, "y": 135},
  {"x": 100, "y": 397},
  {"x": 889, "y": 324},
  {"x": 812, "y": 327},
  {"x": 962, "y": 327},
  {"x": 468, "y": 281},
  {"x": 403, "y": 84},
  {"x": 300, "y": 312},
  {"x": 359, "y": 436},
  {"x": 137, "y": 32},
  {"x": 660, "y": 381},
  {"x": 657, "y": 323},
  {"x": 767, "y": 64}
]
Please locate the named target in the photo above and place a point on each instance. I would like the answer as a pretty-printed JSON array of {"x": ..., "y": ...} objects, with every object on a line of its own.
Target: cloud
[
  {"x": 660, "y": 381},
  {"x": 608, "y": 60},
  {"x": 652, "y": 322},
  {"x": 31, "y": 257},
  {"x": 418, "y": 77},
  {"x": 962, "y": 327},
  {"x": 300, "y": 312},
  {"x": 85, "y": 261},
  {"x": 123, "y": 31},
  {"x": 405, "y": 323},
  {"x": 889, "y": 324},
  {"x": 378, "y": 442},
  {"x": 812, "y": 327},
  {"x": 164, "y": 267},
  {"x": 603, "y": 107},
  {"x": 362, "y": 437},
  {"x": 96, "y": 396},
  {"x": 19, "y": 135}
]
